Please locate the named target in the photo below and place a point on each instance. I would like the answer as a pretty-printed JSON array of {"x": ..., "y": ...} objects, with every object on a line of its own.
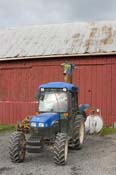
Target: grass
[
  {"x": 4, "y": 128},
  {"x": 108, "y": 131}
]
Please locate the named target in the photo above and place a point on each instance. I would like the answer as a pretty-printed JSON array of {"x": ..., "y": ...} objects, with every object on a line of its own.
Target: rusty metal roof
[{"x": 58, "y": 40}]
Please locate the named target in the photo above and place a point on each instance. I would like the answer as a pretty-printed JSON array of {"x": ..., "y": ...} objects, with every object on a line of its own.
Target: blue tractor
[{"x": 59, "y": 123}]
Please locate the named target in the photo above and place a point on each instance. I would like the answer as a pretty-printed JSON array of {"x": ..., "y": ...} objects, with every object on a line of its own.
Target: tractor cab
[{"x": 58, "y": 97}]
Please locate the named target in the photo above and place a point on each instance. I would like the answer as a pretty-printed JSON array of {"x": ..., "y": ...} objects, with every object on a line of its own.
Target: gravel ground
[{"x": 98, "y": 157}]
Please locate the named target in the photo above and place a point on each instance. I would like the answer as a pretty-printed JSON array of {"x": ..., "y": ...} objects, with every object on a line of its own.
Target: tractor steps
[
  {"x": 34, "y": 144},
  {"x": 34, "y": 149},
  {"x": 34, "y": 141}
]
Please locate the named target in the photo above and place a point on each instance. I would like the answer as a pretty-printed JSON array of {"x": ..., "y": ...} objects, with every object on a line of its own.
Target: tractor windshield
[{"x": 53, "y": 102}]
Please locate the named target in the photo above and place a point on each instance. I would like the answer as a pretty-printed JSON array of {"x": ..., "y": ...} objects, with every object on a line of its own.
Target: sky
[{"x": 39, "y": 12}]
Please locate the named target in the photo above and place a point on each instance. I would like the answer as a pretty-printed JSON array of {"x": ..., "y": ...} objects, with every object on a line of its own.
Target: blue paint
[
  {"x": 58, "y": 85},
  {"x": 47, "y": 119},
  {"x": 84, "y": 107}
]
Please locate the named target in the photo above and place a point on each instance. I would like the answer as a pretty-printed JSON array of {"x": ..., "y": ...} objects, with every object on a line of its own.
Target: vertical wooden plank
[{"x": 114, "y": 92}]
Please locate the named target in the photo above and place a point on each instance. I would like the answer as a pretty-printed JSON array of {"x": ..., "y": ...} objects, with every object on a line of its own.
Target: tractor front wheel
[
  {"x": 17, "y": 147},
  {"x": 61, "y": 149}
]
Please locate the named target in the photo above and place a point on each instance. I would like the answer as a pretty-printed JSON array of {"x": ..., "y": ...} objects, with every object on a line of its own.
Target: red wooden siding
[{"x": 19, "y": 82}]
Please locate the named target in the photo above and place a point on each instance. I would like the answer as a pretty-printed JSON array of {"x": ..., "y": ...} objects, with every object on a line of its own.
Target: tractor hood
[{"x": 44, "y": 120}]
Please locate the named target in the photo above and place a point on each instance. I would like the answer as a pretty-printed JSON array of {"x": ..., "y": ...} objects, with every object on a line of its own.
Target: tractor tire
[
  {"x": 78, "y": 134},
  {"x": 61, "y": 149},
  {"x": 17, "y": 147}
]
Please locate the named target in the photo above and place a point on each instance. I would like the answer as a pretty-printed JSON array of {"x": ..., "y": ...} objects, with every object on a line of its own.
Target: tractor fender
[{"x": 83, "y": 107}]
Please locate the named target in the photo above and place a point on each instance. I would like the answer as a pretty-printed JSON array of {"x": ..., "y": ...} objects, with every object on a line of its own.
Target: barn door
[{"x": 82, "y": 78}]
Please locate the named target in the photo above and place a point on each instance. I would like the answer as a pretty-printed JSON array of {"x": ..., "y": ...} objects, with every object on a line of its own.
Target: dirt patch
[{"x": 3, "y": 169}]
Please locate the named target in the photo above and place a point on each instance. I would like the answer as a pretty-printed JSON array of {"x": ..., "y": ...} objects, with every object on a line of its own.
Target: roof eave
[{"x": 58, "y": 56}]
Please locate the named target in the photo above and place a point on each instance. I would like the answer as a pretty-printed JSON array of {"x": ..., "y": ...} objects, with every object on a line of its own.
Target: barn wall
[{"x": 19, "y": 82}]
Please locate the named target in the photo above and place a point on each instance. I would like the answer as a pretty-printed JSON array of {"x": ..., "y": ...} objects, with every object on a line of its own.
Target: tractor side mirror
[
  {"x": 37, "y": 96},
  {"x": 41, "y": 97}
]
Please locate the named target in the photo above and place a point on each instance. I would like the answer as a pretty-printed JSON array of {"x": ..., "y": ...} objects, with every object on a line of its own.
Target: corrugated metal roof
[{"x": 59, "y": 40}]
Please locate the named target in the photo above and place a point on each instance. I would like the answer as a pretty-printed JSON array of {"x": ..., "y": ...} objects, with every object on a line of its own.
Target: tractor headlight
[
  {"x": 41, "y": 124},
  {"x": 42, "y": 89},
  {"x": 64, "y": 89},
  {"x": 33, "y": 124}
]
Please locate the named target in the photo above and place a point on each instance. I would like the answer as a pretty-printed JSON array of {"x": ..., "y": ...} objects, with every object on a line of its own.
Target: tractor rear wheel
[
  {"x": 17, "y": 147},
  {"x": 79, "y": 134},
  {"x": 61, "y": 149}
]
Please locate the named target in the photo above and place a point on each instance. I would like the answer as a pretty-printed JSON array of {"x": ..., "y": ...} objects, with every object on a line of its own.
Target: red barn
[{"x": 30, "y": 56}]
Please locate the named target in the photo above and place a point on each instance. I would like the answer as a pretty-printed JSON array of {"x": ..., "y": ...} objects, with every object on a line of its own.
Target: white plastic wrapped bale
[{"x": 93, "y": 124}]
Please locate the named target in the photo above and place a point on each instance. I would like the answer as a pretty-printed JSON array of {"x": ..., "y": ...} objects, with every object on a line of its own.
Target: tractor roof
[{"x": 58, "y": 85}]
